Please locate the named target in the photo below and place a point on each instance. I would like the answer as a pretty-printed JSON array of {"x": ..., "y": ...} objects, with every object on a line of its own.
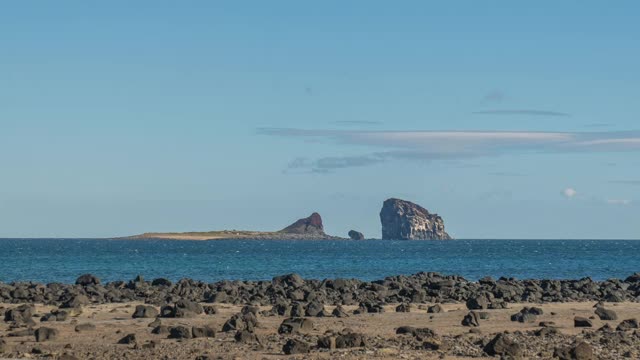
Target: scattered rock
[
  {"x": 504, "y": 346},
  {"x": 295, "y": 325},
  {"x": 203, "y": 332},
  {"x": 45, "y": 334},
  {"x": 127, "y": 340},
  {"x": 579, "y": 321},
  {"x": 294, "y": 346},
  {"x": 145, "y": 311},
  {"x": 628, "y": 324},
  {"x": 85, "y": 327},
  {"x": 180, "y": 332},
  {"x": 471, "y": 319},
  {"x": 87, "y": 279},
  {"x": 606, "y": 314}
]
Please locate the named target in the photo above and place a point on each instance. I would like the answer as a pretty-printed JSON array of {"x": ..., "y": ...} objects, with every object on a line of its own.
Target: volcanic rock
[
  {"x": 404, "y": 220},
  {"x": 355, "y": 235},
  {"x": 311, "y": 225}
]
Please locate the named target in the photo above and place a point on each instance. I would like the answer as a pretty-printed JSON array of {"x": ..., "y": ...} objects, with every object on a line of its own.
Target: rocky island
[
  {"x": 404, "y": 220},
  {"x": 309, "y": 228}
]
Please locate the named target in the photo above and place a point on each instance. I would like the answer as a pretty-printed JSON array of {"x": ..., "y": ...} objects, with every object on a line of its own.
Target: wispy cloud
[
  {"x": 520, "y": 112},
  {"x": 494, "y": 96},
  {"x": 438, "y": 145},
  {"x": 619, "y": 202},
  {"x": 625, "y": 182},
  {"x": 356, "y": 122}
]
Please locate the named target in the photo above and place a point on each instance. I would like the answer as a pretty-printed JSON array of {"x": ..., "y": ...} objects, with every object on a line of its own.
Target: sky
[{"x": 508, "y": 119}]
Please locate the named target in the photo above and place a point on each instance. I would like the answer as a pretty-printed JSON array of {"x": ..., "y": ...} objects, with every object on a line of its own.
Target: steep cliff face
[
  {"x": 404, "y": 220},
  {"x": 311, "y": 225}
]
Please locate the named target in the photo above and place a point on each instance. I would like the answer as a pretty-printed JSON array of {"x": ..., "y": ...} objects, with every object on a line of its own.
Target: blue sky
[{"x": 509, "y": 120}]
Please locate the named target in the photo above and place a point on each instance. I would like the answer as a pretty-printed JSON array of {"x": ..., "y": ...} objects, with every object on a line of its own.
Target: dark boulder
[
  {"x": 355, "y": 235},
  {"x": 290, "y": 280},
  {"x": 21, "y": 315},
  {"x": 45, "y": 334},
  {"x": 350, "y": 340},
  {"x": 84, "y": 327},
  {"x": 295, "y": 346},
  {"x": 87, "y": 279},
  {"x": 339, "y": 312},
  {"x": 205, "y": 331},
  {"x": 504, "y": 346},
  {"x": 180, "y": 332},
  {"x": 527, "y": 315},
  {"x": 145, "y": 311},
  {"x": 471, "y": 319},
  {"x": 628, "y": 324},
  {"x": 127, "y": 340},
  {"x": 435, "y": 309},
  {"x": 314, "y": 309},
  {"x": 606, "y": 314},
  {"x": 579, "y": 321},
  {"x": 246, "y": 337},
  {"x": 161, "y": 282},
  {"x": 295, "y": 325},
  {"x": 55, "y": 315}
]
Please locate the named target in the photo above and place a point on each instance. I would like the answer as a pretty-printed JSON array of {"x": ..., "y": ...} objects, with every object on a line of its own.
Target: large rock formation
[
  {"x": 404, "y": 220},
  {"x": 311, "y": 225}
]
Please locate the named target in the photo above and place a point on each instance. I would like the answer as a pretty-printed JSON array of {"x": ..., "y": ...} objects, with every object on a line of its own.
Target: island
[{"x": 309, "y": 228}]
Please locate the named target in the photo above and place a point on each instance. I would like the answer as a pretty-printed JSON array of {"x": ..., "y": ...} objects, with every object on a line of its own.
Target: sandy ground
[{"x": 113, "y": 321}]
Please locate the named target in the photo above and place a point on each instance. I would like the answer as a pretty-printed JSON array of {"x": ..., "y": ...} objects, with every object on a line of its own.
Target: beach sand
[{"x": 113, "y": 321}]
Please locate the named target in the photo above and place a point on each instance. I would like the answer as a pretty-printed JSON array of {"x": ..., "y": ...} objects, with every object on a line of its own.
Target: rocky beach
[{"x": 422, "y": 316}]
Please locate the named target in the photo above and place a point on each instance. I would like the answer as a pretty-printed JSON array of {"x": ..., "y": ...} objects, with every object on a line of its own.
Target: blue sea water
[{"x": 63, "y": 260}]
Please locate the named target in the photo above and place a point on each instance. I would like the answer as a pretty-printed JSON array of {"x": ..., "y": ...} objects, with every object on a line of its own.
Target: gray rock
[
  {"x": 471, "y": 319},
  {"x": 579, "y": 321},
  {"x": 606, "y": 314},
  {"x": 87, "y": 279},
  {"x": 504, "y": 346},
  {"x": 45, "y": 334},
  {"x": 355, "y": 235},
  {"x": 295, "y": 325},
  {"x": 180, "y": 332},
  {"x": 628, "y": 324},
  {"x": 295, "y": 346},
  {"x": 145, "y": 311},
  {"x": 127, "y": 340},
  {"x": 404, "y": 220},
  {"x": 205, "y": 331},
  {"x": 84, "y": 327}
]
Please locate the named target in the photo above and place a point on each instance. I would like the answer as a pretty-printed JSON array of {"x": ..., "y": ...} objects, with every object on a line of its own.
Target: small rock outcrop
[
  {"x": 356, "y": 235},
  {"x": 404, "y": 220},
  {"x": 311, "y": 225}
]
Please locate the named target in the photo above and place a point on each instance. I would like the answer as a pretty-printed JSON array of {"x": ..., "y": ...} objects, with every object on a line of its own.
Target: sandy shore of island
[{"x": 114, "y": 321}]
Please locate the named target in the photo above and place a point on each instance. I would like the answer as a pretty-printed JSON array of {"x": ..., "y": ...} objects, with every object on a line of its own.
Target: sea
[{"x": 63, "y": 260}]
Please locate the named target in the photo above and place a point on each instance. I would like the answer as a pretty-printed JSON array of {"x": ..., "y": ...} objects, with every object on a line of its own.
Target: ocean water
[{"x": 63, "y": 260}]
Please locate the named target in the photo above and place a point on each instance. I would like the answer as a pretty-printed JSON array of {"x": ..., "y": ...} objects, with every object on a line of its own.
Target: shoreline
[{"x": 423, "y": 316}]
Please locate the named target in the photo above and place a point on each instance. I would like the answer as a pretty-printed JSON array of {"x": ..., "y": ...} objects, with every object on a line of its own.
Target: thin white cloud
[
  {"x": 433, "y": 145},
  {"x": 529, "y": 112},
  {"x": 619, "y": 202}
]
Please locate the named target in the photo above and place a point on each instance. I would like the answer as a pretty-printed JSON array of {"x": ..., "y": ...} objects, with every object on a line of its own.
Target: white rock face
[{"x": 404, "y": 220}]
